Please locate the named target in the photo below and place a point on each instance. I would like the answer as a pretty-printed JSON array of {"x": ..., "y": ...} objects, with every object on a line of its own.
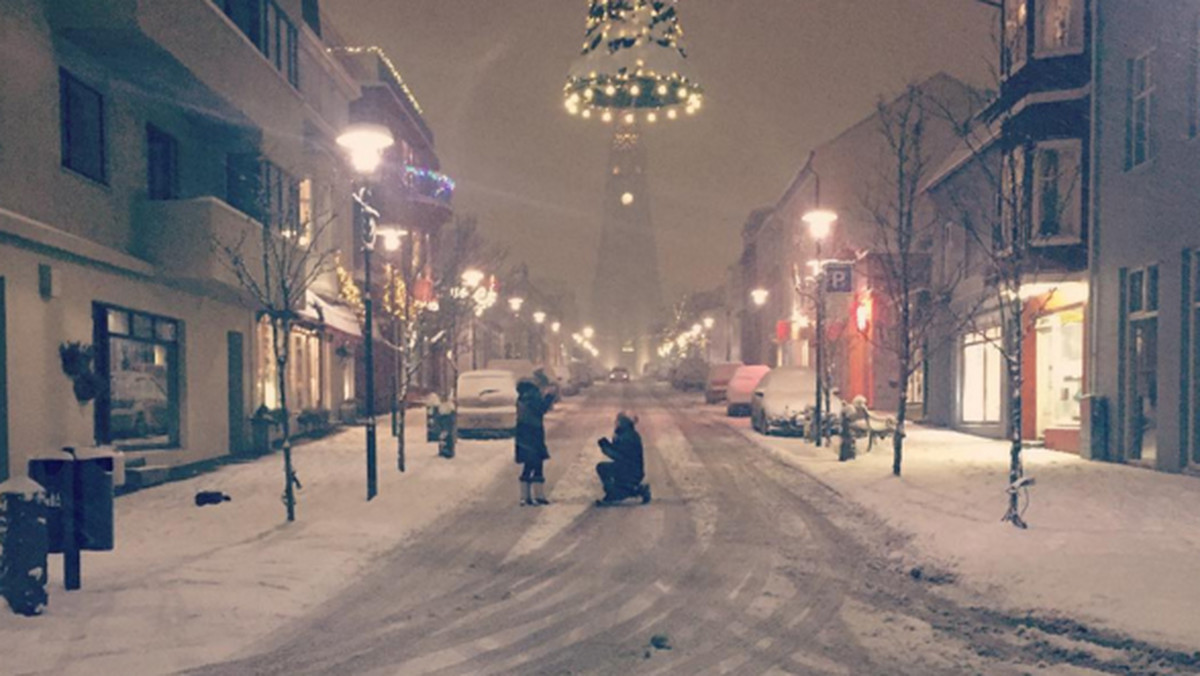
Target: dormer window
[{"x": 1016, "y": 34}]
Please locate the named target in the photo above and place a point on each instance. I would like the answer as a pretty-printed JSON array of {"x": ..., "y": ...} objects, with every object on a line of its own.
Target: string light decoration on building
[
  {"x": 632, "y": 64},
  {"x": 387, "y": 63}
]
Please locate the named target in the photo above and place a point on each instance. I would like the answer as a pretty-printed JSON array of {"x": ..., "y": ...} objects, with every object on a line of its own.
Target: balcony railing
[{"x": 428, "y": 185}]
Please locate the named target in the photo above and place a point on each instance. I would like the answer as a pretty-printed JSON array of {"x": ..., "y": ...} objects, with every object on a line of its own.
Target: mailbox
[{"x": 83, "y": 483}]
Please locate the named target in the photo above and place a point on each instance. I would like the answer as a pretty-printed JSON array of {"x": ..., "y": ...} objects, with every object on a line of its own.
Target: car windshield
[
  {"x": 791, "y": 381},
  {"x": 493, "y": 384},
  {"x": 748, "y": 376},
  {"x": 721, "y": 373}
]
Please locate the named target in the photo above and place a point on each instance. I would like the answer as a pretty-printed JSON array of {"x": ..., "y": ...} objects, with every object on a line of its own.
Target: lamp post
[
  {"x": 392, "y": 240},
  {"x": 820, "y": 222},
  {"x": 471, "y": 279},
  {"x": 366, "y": 143}
]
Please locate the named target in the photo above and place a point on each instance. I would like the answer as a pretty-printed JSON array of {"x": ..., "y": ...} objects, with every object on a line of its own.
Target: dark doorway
[
  {"x": 3, "y": 386},
  {"x": 237, "y": 398}
]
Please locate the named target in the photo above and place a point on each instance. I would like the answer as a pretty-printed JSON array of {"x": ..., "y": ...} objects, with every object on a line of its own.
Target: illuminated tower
[{"x": 629, "y": 74}]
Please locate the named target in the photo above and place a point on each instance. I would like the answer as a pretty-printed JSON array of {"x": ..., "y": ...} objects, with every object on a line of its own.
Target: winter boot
[
  {"x": 526, "y": 498},
  {"x": 644, "y": 489},
  {"x": 539, "y": 494}
]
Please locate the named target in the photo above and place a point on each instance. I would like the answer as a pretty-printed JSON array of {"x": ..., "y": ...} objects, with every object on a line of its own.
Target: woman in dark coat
[
  {"x": 532, "y": 453},
  {"x": 622, "y": 476}
]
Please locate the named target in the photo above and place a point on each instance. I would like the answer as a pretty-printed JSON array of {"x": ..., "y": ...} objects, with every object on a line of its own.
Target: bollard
[
  {"x": 24, "y": 545},
  {"x": 846, "y": 448}
]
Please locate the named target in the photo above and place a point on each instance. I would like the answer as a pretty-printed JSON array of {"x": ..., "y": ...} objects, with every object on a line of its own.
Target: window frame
[
  {"x": 1075, "y": 31},
  {"x": 1015, "y": 50},
  {"x": 1070, "y": 231},
  {"x": 156, "y": 135},
  {"x": 986, "y": 338},
  {"x": 71, "y": 85},
  {"x": 1139, "y": 69},
  {"x": 102, "y": 335}
]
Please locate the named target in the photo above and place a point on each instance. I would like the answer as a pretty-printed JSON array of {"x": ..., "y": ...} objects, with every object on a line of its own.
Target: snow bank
[{"x": 1110, "y": 544}]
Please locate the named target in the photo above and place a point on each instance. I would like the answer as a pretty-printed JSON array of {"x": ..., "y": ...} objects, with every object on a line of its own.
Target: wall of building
[{"x": 1145, "y": 215}]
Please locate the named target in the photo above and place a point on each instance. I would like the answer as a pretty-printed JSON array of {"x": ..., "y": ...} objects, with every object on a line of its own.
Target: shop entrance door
[
  {"x": 1143, "y": 390},
  {"x": 1059, "y": 370}
]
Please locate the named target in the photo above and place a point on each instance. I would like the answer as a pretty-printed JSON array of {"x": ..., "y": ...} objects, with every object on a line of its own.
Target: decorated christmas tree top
[{"x": 632, "y": 64}]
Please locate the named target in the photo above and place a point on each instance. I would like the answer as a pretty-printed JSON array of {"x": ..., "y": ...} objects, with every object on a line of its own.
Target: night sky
[{"x": 780, "y": 77}]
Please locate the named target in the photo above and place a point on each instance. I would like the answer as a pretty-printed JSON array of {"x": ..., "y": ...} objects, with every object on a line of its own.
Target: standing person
[
  {"x": 532, "y": 453},
  {"x": 622, "y": 476}
]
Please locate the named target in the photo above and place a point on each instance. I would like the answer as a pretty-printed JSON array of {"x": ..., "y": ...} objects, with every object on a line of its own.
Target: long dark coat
[{"x": 531, "y": 428}]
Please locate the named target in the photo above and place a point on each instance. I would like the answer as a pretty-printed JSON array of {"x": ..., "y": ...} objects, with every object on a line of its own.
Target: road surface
[{"x": 740, "y": 565}]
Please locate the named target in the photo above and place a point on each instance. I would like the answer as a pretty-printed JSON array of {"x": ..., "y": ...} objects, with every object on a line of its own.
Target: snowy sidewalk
[
  {"x": 187, "y": 585},
  {"x": 1108, "y": 544}
]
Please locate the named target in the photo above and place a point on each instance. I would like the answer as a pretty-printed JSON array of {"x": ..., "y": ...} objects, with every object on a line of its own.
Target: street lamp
[
  {"x": 365, "y": 143},
  {"x": 589, "y": 332},
  {"x": 760, "y": 296},
  {"x": 709, "y": 322},
  {"x": 556, "y": 327},
  {"x": 515, "y": 303},
  {"x": 820, "y": 224},
  {"x": 471, "y": 279}
]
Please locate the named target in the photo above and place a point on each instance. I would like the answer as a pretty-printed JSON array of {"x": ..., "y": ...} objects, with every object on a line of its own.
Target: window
[
  {"x": 1143, "y": 290},
  {"x": 162, "y": 165},
  {"x": 1139, "y": 109},
  {"x": 981, "y": 374},
  {"x": 263, "y": 191},
  {"x": 1059, "y": 27},
  {"x": 1016, "y": 34},
  {"x": 305, "y": 213},
  {"x": 304, "y": 369},
  {"x": 138, "y": 355},
  {"x": 1057, "y": 202},
  {"x": 271, "y": 31},
  {"x": 82, "y": 112}
]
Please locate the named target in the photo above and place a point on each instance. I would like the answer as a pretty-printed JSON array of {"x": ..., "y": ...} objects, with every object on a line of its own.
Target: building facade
[
  {"x": 1145, "y": 324},
  {"x": 142, "y": 144}
]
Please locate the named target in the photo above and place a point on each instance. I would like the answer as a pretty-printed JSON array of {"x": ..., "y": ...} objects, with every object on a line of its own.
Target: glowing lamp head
[
  {"x": 366, "y": 142},
  {"x": 820, "y": 222},
  {"x": 515, "y": 303},
  {"x": 556, "y": 327},
  {"x": 391, "y": 237},
  {"x": 472, "y": 278},
  {"x": 627, "y": 198},
  {"x": 760, "y": 296},
  {"x": 539, "y": 317},
  {"x": 589, "y": 332},
  {"x": 709, "y": 322}
]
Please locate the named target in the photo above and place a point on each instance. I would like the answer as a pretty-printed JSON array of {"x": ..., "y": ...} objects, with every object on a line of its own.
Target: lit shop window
[
  {"x": 138, "y": 355},
  {"x": 1060, "y": 27},
  {"x": 981, "y": 374}
]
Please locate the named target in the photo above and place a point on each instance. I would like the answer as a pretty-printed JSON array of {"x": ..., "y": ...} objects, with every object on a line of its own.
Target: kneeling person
[{"x": 622, "y": 476}]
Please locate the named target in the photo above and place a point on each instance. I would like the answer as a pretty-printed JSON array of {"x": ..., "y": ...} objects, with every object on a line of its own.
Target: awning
[{"x": 337, "y": 317}]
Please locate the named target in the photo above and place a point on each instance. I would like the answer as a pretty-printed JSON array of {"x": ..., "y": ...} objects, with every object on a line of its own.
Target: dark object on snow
[
  {"x": 622, "y": 476},
  {"x": 24, "y": 544},
  {"x": 660, "y": 642},
  {"x": 211, "y": 498}
]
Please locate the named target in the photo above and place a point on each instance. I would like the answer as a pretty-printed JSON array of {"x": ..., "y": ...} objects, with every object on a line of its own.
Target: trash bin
[
  {"x": 88, "y": 475},
  {"x": 24, "y": 545}
]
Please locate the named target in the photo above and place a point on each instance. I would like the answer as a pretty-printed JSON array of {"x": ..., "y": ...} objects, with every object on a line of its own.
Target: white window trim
[
  {"x": 1076, "y": 30},
  {"x": 1076, "y": 195},
  {"x": 1135, "y": 96}
]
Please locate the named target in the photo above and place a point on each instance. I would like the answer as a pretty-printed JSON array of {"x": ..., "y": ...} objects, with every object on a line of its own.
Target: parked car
[
  {"x": 783, "y": 401},
  {"x": 618, "y": 374},
  {"x": 487, "y": 402},
  {"x": 520, "y": 368},
  {"x": 690, "y": 375},
  {"x": 581, "y": 375},
  {"x": 718, "y": 381},
  {"x": 741, "y": 388}
]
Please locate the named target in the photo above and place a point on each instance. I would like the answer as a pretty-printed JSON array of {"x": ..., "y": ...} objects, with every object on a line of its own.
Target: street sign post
[{"x": 839, "y": 277}]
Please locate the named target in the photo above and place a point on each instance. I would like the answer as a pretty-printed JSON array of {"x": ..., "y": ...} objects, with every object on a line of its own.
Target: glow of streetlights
[
  {"x": 366, "y": 142},
  {"x": 391, "y": 235},
  {"x": 589, "y": 332},
  {"x": 472, "y": 278},
  {"x": 556, "y": 327},
  {"x": 515, "y": 303},
  {"x": 709, "y": 322},
  {"x": 539, "y": 317},
  {"x": 696, "y": 328},
  {"x": 760, "y": 296},
  {"x": 820, "y": 222}
]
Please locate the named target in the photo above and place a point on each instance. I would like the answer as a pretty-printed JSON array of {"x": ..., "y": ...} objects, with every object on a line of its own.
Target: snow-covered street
[{"x": 756, "y": 555}]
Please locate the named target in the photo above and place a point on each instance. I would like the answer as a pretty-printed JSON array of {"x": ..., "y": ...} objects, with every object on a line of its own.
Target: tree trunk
[
  {"x": 282, "y": 346},
  {"x": 1015, "y": 401}
]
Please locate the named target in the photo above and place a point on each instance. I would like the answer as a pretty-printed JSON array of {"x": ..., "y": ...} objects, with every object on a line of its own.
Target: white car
[
  {"x": 783, "y": 401},
  {"x": 487, "y": 402},
  {"x": 740, "y": 391}
]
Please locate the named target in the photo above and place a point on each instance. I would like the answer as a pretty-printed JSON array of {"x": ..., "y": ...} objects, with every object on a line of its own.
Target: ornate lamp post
[
  {"x": 366, "y": 142},
  {"x": 471, "y": 279}
]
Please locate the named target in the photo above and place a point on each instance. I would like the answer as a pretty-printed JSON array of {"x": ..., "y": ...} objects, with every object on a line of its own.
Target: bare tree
[
  {"x": 275, "y": 259},
  {"x": 912, "y": 313}
]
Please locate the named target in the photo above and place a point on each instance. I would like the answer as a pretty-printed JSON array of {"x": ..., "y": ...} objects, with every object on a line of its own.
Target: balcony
[
  {"x": 429, "y": 187},
  {"x": 183, "y": 239},
  {"x": 193, "y": 52}
]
